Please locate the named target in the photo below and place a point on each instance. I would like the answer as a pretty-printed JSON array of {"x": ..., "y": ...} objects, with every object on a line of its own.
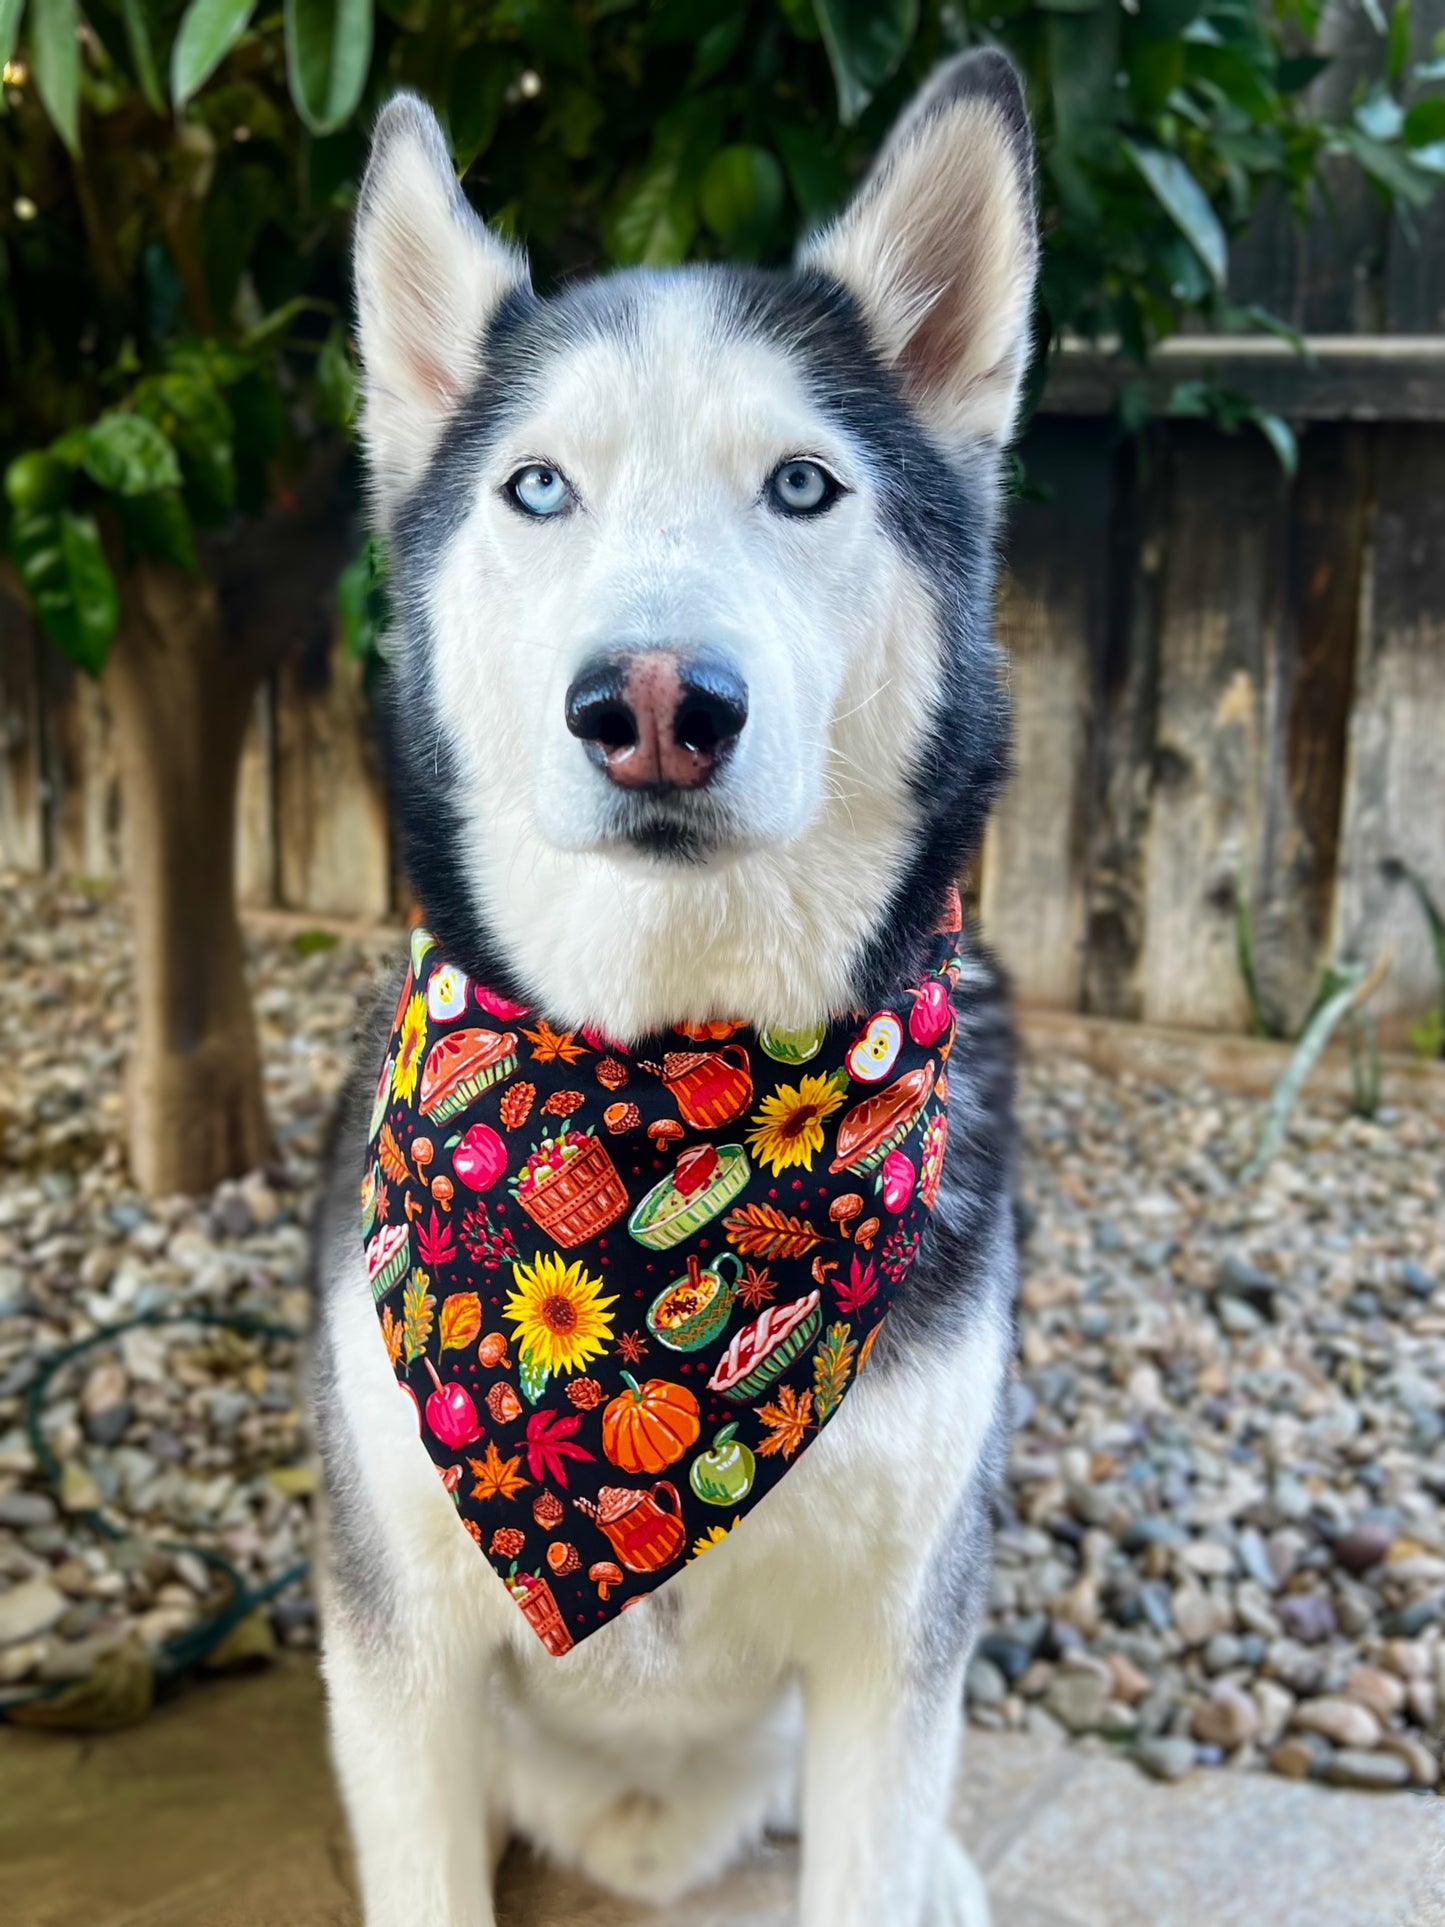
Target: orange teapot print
[{"x": 711, "y": 1087}]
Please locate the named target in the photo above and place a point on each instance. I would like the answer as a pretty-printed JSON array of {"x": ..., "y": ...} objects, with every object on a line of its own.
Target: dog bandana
[{"x": 624, "y": 1288}]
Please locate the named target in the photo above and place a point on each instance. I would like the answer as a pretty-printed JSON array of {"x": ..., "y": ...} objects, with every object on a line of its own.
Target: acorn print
[
  {"x": 548, "y": 1510},
  {"x": 621, "y": 1117},
  {"x": 610, "y": 1074},
  {"x": 503, "y": 1403},
  {"x": 563, "y": 1558}
]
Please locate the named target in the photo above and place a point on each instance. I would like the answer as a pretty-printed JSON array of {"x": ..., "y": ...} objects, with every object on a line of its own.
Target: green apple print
[{"x": 723, "y": 1476}]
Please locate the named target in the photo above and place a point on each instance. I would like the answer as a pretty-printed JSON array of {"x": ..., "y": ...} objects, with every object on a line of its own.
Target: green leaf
[
  {"x": 159, "y": 525},
  {"x": 336, "y": 380},
  {"x": 55, "y": 56},
  {"x": 1281, "y": 438},
  {"x": 1425, "y": 123},
  {"x": 1296, "y": 72},
  {"x": 208, "y": 31},
  {"x": 866, "y": 41},
  {"x": 68, "y": 579},
  {"x": 142, "y": 54},
  {"x": 1380, "y": 115},
  {"x": 741, "y": 196},
  {"x": 1186, "y": 204},
  {"x": 191, "y": 412},
  {"x": 129, "y": 456},
  {"x": 1398, "y": 40},
  {"x": 1399, "y": 174},
  {"x": 816, "y": 174},
  {"x": 10, "y": 12},
  {"x": 361, "y": 601},
  {"x": 656, "y": 219},
  {"x": 328, "y": 52}
]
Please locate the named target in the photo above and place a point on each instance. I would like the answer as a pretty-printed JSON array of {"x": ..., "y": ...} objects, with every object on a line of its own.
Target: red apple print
[
  {"x": 930, "y": 1016},
  {"x": 898, "y": 1179},
  {"x": 497, "y": 1006},
  {"x": 450, "y": 1412},
  {"x": 481, "y": 1158},
  {"x": 695, "y": 1169}
]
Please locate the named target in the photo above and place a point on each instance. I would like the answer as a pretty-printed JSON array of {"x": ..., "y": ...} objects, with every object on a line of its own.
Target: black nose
[{"x": 657, "y": 719}]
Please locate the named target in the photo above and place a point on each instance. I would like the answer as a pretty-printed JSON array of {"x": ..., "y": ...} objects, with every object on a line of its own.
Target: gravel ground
[{"x": 1222, "y": 1542}]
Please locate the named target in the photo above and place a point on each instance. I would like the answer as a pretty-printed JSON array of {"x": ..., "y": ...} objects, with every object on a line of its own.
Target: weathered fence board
[
  {"x": 1394, "y": 805},
  {"x": 1051, "y": 617},
  {"x": 1218, "y": 625}
]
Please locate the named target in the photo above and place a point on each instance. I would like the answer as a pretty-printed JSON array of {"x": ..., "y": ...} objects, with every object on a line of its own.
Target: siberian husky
[{"x": 780, "y": 490}]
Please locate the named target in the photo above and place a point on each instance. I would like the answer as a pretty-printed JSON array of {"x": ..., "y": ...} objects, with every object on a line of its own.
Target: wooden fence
[{"x": 1229, "y": 691}]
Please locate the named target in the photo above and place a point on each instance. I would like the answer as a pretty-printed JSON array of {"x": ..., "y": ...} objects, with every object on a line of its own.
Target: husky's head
[{"x": 695, "y": 709}]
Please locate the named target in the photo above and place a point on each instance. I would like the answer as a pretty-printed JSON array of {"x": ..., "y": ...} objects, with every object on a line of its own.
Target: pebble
[
  {"x": 1166, "y": 1758},
  {"x": 985, "y": 1685},
  {"x": 27, "y": 1609},
  {"x": 1229, "y": 1718},
  {"x": 1300, "y": 1757},
  {"x": 1341, "y": 1721},
  {"x": 1380, "y": 1691},
  {"x": 1308, "y": 1617},
  {"x": 1377, "y": 1772},
  {"x": 20, "y": 1509}
]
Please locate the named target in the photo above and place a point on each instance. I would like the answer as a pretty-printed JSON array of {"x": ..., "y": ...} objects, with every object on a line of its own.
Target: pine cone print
[
  {"x": 563, "y": 1103},
  {"x": 548, "y": 1510},
  {"x": 611, "y": 1075},
  {"x": 585, "y": 1393},
  {"x": 621, "y": 1117},
  {"x": 516, "y": 1105},
  {"x": 503, "y": 1403},
  {"x": 562, "y": 1558},
  {"x": 508, "y": 1541}
]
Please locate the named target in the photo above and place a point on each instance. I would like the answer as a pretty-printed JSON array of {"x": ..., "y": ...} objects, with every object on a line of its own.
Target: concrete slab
[{"x": 219, "y": 1812}]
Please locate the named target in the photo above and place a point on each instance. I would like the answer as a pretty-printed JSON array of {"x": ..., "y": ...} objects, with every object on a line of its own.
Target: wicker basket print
[{"x": 580, "y": 1199}]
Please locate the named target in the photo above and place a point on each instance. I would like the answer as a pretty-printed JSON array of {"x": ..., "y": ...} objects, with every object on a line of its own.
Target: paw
[{"x": 959, "y": 1897}]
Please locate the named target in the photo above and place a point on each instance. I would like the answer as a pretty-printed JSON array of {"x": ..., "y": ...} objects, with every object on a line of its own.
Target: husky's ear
[
  {"x": 429, "y": 277},
  {"x": 939, "y": 246}
]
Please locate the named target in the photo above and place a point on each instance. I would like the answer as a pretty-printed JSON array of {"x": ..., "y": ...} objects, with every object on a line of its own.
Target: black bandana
[{"x": 624, "y": 1288}]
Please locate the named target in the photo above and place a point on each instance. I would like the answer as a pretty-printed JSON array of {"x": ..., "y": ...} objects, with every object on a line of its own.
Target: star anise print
[
  {"x": 631, "y": 1347},
  {"x": 756, "y": 1286}
]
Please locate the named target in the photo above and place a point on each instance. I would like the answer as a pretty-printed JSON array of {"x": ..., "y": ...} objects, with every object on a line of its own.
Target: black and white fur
[{"x": 808, "y": 1671}]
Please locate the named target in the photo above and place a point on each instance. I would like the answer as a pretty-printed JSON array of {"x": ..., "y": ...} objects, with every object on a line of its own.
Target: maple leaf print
[
  {"x": 631, "y": 1347},
  {"x": 787, "y": 1419},
  {"x": 434, "y": 1242},
  {"x": 461, "y": 1320},
  {"x": 832, "y": 1363},
  {"x": 861, "y": 1286},
  {"x": 553, "y": 1046},
  {"x": 762, "y": 1231},
  {"x": 550, "y": 1445},
  {"x": 417, "y": 1305},
  {"x": 392, "y": 1332},
  {"x": 497, "y": 1478},
  {"x": 756, "y": 1286}
]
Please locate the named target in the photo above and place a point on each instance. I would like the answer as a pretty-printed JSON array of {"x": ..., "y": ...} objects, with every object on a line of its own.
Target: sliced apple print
[{"x": 875, "y": 1051}]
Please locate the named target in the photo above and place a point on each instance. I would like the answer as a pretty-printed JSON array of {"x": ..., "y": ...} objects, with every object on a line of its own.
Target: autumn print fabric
[{"x": 624, "y": 1288}]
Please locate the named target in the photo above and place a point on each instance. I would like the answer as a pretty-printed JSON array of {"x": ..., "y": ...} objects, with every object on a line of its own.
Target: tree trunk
[{"x": 180, "y": 693}]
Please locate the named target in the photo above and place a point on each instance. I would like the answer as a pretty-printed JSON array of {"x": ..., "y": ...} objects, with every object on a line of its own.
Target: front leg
[
  {"x": 879, "y": 1763},
  {"x": 410, "y": 1740}
]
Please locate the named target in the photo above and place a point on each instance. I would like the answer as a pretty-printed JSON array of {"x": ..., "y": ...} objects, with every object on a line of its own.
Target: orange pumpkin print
[{"x": 649, "y": 1427}]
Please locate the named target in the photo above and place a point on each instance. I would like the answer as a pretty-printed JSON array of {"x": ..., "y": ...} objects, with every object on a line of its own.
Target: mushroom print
[{"x": 624, "y": 1285}]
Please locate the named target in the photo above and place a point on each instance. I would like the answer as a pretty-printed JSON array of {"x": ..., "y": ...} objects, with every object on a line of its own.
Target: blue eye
[
  {"x": 539, "y": 490},
  {"x": 801, "y": 487}
]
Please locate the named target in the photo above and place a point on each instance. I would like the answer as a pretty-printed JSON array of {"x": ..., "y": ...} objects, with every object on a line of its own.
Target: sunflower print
[
  {"x": 788, "y": 1128},
  {"x": 409, "y": 1050},
  {"x": 560, "y": 1318}
]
